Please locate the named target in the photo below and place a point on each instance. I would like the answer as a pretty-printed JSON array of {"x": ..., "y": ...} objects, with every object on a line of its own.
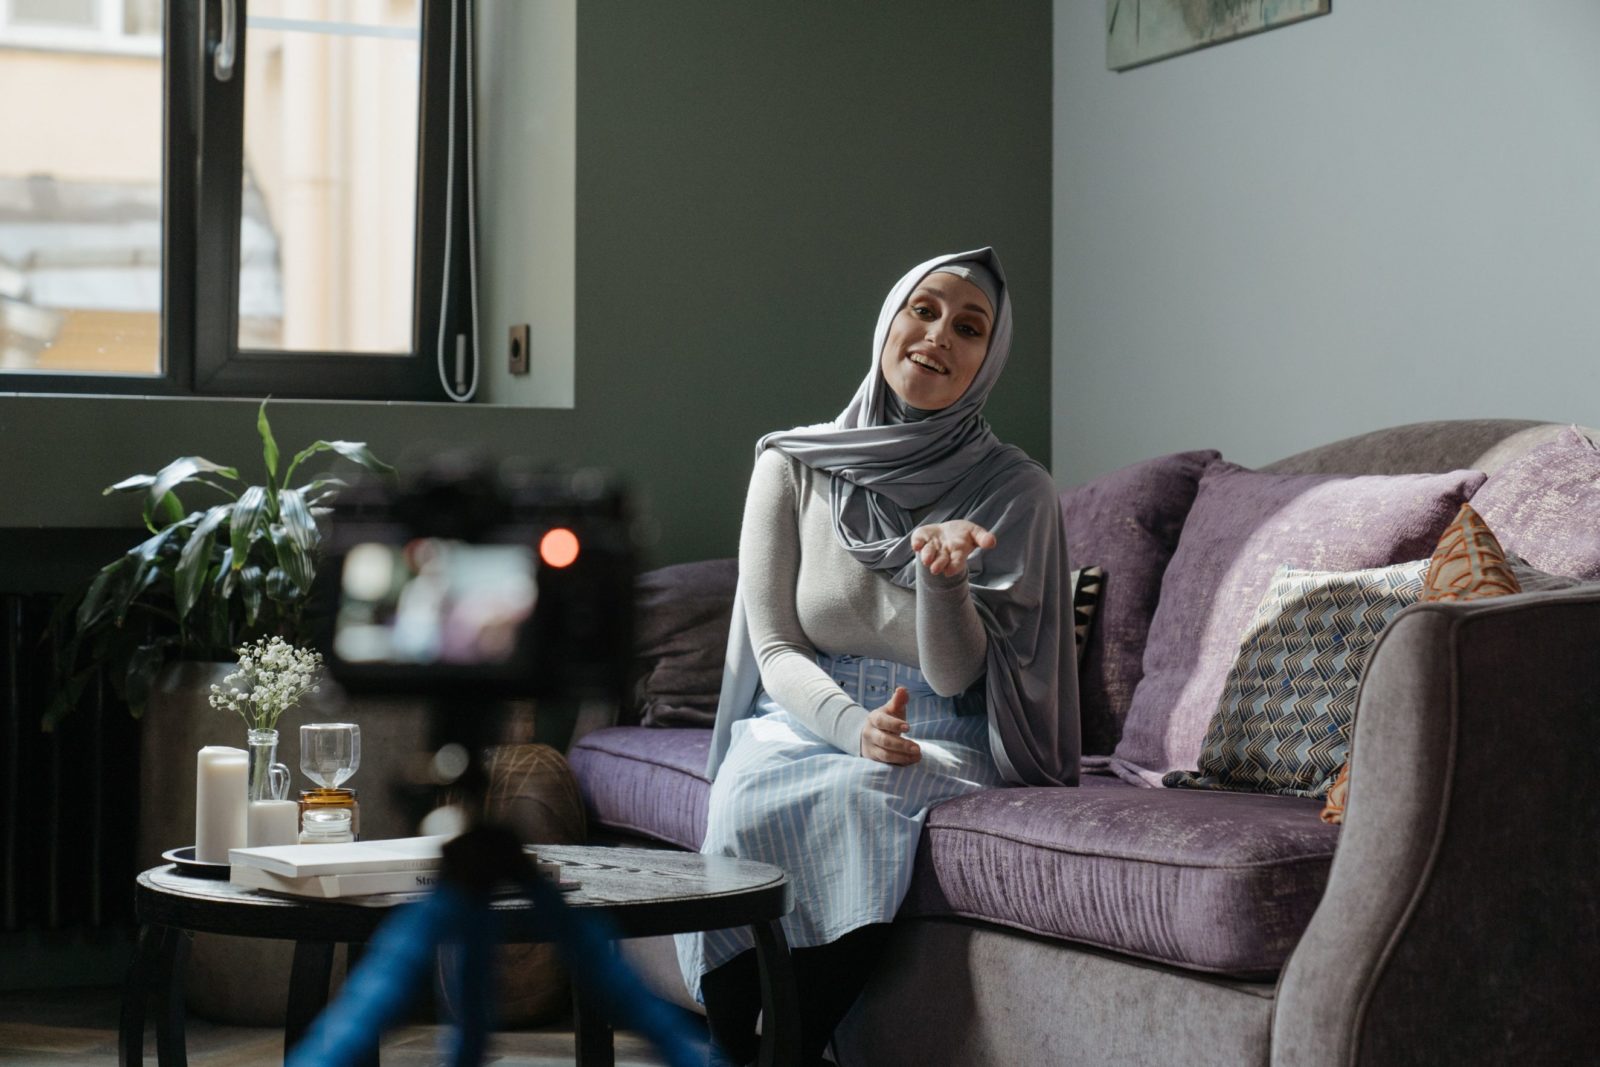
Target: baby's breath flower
[{"x": 275, "y": 675}]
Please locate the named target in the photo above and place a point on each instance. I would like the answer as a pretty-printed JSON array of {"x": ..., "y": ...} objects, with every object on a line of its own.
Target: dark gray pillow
[{"x": 680, "y": 639}]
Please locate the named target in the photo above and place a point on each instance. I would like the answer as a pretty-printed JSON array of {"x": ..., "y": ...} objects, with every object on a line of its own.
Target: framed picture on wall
[{"x": 1143, "y": 31}]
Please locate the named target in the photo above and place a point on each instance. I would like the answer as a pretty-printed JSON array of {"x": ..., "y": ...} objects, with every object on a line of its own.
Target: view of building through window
[
  {"x": 330, "y": 126},
  {"x": 327, "y": 232},
  {"x": 80, "y": 186}
]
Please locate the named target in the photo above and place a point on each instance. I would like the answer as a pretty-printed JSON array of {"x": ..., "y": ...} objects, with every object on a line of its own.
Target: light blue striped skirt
[{"x": 844, "y": 828}]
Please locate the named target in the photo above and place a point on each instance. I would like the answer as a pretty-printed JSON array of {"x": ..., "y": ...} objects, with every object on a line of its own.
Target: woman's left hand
[{"x": 944, "y": 546}]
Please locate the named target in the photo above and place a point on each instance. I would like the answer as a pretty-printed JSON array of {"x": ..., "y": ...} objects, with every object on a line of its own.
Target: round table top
[{"x": 640, "y": 892}]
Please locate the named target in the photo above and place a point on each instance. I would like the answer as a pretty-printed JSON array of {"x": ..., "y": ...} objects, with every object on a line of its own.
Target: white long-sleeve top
[{"x": 804, "y": 593}]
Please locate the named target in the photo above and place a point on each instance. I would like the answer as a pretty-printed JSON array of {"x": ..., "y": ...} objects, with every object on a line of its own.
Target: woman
[{"x": 897, "y": 640}]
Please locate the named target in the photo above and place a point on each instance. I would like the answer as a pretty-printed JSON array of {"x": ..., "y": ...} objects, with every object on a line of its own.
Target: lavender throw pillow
[
  {"x": 1127, "y": 523},
  {"x": 1244, "y": 525},
  {"x": 1545, "y": 507}
]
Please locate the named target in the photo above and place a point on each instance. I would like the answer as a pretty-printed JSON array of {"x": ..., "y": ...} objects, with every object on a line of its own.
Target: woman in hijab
[{"x": 898, "y": 639}]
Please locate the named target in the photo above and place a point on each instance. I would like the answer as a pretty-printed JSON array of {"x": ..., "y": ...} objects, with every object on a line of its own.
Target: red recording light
[{"x": 559, "y": 547}]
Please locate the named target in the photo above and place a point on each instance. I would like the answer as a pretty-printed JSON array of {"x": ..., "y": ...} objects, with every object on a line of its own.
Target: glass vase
[
  {"x": 272, "y": 818},
  {"x": 267, "y": 779}
]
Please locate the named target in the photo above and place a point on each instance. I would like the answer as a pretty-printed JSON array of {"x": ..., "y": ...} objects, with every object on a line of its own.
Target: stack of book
[{"x": 355, "y": 869}]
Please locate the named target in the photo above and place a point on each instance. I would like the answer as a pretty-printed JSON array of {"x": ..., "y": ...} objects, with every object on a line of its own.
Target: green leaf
[
  {"x": 251, "y": 583},
  {"x": 356, "y": 451},
  {"x": 297, "y": 521},
  {"x": 227, "y": 576},
  {"x": 249, "y": 515},
  {"x": 143, "y": 666},
  {"x": 195, "y": 559},
  {"x": 128, "y": 485},
  {"x": 269, "y": 447},
  {"x": 143, "y": 557},
  {"x": 98, "y": 599},
  {"x": 66, "y": 699},
  {"x": 280, "y": 586},
  {"x": 293, "y": 560},
  {"x": 173, "y": 475},
  {"x": 322, "y": 490}
]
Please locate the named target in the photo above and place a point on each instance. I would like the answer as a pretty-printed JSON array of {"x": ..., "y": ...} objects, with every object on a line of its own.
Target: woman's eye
[
  {"x": 968, "y": 330},
  {"x": 922, "y": 311}
]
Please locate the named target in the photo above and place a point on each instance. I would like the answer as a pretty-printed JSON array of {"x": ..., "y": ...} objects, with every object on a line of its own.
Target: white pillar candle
[
  {"x": 274, "y": 822},
  {"x": 219, "y": 802}
]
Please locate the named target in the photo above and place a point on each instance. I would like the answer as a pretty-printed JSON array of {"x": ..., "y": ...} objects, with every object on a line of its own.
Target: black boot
[
  {"x": 732, "y": 995},
  {"x": 829, "y": 978}
]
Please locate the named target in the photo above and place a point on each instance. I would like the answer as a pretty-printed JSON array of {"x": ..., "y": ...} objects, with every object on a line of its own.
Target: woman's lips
[{"x": 925, "y": 362}]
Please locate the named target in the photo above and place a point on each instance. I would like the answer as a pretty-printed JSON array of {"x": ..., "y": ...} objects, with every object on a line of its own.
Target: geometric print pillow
[
  {"x": 1087, "y": 585},
  {"x": 1468, "y": 564},
  {"x": 1283, "y": 722}
]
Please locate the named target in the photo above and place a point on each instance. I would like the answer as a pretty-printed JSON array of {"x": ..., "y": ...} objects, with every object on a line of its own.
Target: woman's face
[{"x": 937, "y": 342}]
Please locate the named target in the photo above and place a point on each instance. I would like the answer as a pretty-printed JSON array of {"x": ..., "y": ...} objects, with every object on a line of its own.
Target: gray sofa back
[{"x": 1425, "y": 447}]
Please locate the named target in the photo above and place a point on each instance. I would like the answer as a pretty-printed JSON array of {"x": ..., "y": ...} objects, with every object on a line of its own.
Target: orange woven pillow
[{"x": 1468, "y": 564}]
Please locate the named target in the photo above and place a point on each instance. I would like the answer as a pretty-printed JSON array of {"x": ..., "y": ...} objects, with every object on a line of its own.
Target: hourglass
[{"x": 330, "y": 752}]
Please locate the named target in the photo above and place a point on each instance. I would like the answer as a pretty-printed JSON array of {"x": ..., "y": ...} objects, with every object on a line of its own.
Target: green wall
[{"x": 751, "y": 178}]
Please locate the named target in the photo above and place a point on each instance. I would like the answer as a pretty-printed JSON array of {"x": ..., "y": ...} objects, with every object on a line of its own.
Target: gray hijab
[{"x": 949, "y": 465}]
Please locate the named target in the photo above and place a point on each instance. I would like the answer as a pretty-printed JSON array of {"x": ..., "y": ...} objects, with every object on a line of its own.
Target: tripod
[{"x": 458, "y": 918}]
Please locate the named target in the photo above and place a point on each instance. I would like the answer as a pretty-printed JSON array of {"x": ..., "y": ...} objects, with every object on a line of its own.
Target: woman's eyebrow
[{"x": 942, "y": 295}]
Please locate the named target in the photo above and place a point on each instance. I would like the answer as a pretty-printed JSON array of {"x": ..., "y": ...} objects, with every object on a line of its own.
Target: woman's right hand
[{"x": 881, "y": 738}]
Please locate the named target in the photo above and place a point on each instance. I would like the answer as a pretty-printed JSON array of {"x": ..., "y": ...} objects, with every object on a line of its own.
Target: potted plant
[{"x": 206, "y": 580}]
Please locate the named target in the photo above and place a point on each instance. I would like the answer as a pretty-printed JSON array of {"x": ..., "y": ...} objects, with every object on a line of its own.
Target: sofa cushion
[
  {"x": 1126, "y": 523},
  {"x": 680, "y": 638},
  {"x": 653, "y": 783},
  {"x": 1283, "y": 723},
  {"x": 1220, "y": 882},
  {"x": 1244, "y": 524},
  {"x": 1545, "y": 506}
]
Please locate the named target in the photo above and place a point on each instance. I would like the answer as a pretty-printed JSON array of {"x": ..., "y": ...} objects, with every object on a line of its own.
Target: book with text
[
  {"x": 335, "y": 886},
  {"x": 356, "y": 857}
]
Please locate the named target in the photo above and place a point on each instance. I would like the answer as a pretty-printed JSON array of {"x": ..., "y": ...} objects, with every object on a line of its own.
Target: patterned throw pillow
[
  {"x": 1283, "y": 723},
  {"x": 1469, "y": 564},
  {"x": 1087, "y": 584}
]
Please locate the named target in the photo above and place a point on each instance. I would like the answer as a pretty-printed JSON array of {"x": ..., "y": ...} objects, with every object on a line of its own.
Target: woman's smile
[{"x": 937, "y": 342}]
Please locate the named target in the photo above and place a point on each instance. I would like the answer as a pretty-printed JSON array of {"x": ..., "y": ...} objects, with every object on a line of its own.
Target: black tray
[{"x": 187, "y": 864}]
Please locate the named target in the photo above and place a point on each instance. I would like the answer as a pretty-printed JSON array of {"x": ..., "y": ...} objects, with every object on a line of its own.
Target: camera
[{"x": 470, "y": 582}]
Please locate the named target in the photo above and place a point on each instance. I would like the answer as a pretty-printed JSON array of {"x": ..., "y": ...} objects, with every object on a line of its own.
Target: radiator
[{"x": 69, "y": 798}]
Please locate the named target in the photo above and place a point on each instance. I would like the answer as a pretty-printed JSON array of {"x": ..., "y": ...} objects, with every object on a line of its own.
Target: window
[{"x": 278, "y": 216}]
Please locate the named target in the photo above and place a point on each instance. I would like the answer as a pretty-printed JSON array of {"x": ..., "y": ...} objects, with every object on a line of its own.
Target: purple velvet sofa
[{"x": 1452, "y": 918}]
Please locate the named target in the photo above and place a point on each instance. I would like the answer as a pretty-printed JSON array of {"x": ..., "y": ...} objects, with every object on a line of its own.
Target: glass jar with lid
[
  {"x": 326, "y": 826},
  {"x": 332, "y": 799}
]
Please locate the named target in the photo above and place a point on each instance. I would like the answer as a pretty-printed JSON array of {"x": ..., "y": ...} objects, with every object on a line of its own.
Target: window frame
[{"x": 203, "y": 160}]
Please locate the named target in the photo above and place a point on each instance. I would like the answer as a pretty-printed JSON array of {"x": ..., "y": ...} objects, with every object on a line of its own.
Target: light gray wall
[
  {"x": 749, "y": 181},
  {"x": 1387, "y": 214}
]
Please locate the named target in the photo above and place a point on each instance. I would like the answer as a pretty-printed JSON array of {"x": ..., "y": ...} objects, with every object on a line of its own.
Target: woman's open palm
[{"x": 944, "y": 547}]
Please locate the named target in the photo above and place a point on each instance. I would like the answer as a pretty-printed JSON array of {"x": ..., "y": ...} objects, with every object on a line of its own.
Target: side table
[{"x": 639, "y": 893}]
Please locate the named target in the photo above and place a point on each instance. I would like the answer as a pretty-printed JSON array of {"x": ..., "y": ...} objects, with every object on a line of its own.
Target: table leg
[
  {"x": 171, "y": 1045},
  {"x": 592, "y": 1033},
  {"x": 136, "y": 992},
  {"x": 308, "y": 989},
  {"x": 780, "y": 1003}
]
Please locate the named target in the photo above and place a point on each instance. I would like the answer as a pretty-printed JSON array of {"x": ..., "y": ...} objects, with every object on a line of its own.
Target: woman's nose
[{"x": 938, "y": 335}]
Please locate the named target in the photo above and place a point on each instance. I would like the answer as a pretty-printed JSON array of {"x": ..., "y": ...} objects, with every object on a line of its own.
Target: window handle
[{"x": 222, "y": 58}]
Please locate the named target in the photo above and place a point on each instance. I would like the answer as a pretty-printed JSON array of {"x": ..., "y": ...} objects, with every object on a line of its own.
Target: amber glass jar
[{"x": 332, "y": 798}]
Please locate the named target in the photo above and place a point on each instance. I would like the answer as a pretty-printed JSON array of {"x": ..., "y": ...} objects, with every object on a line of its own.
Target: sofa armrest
[{"x": 1461, "y": 921}]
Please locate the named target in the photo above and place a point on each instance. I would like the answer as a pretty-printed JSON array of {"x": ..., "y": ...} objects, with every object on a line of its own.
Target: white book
[
  {"x": 335, "y": 886},
  {"x": 356, "y": 857}
]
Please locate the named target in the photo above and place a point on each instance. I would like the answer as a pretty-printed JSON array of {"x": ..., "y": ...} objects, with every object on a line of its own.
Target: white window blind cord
[{"x": 461, "y": 391}]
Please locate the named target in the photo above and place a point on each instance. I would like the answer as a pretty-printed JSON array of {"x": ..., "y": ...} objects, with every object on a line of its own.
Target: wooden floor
[{"x": 78, "y": 1027}]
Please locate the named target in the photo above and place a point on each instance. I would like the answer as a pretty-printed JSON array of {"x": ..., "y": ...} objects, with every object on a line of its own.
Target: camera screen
[{"x": 434, "y": 600}]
